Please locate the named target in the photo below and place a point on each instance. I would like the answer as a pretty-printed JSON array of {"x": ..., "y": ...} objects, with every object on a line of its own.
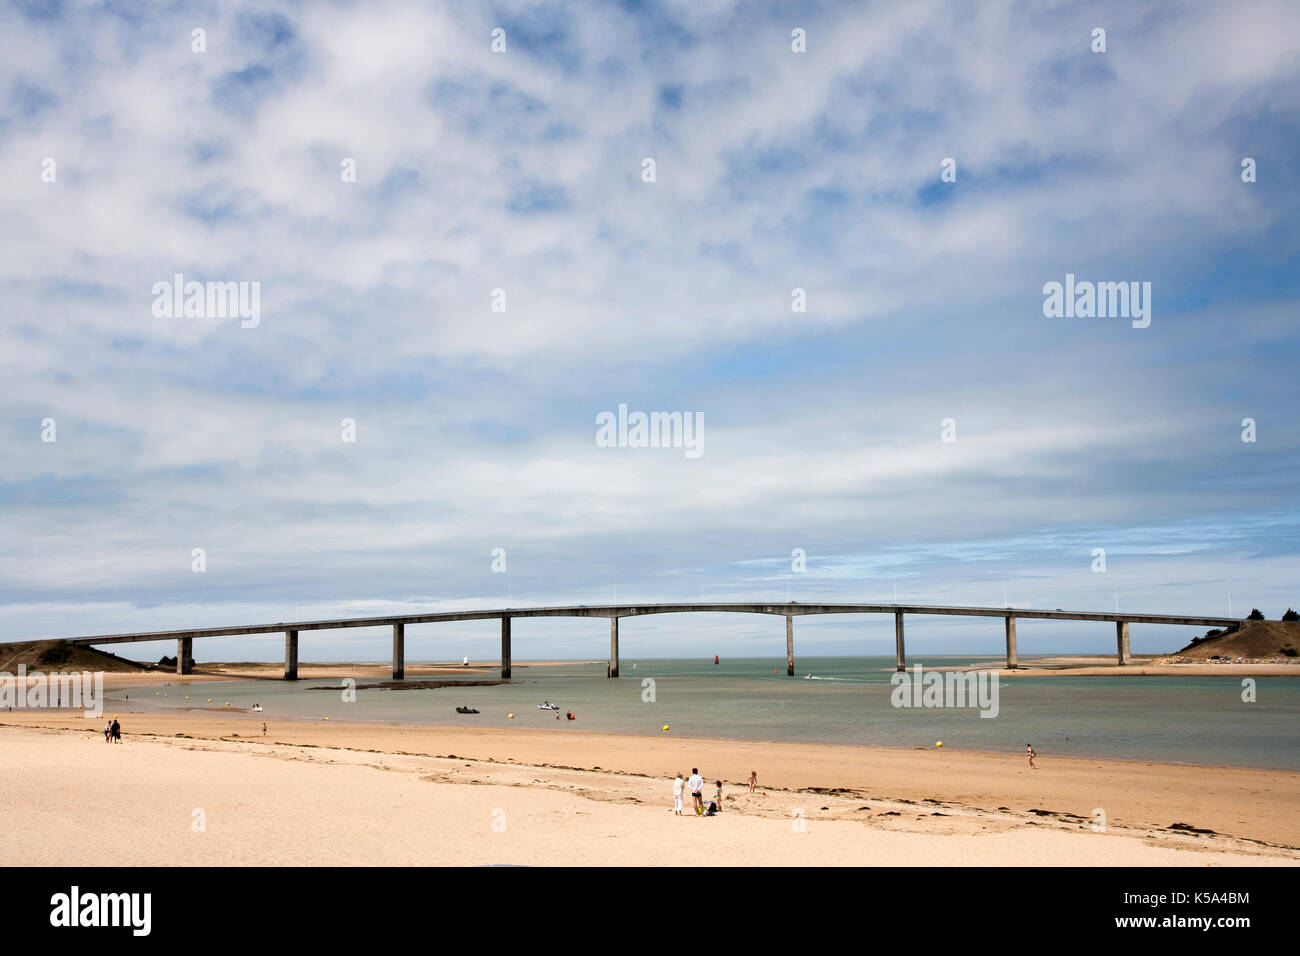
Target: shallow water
[{"x": 1186, "y": 719}]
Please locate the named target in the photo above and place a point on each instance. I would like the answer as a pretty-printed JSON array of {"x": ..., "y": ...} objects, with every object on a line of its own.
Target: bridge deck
[
  {"x": 615, "y": 612},
  {"x": 792, "y": 609}
]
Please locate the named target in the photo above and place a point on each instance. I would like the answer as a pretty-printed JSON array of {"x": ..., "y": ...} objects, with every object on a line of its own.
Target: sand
[
  {"x": 1144, "y": 665},
  {"x": 361, "y": 794}
]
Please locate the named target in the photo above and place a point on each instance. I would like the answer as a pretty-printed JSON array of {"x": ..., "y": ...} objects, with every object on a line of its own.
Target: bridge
[{"x": 616, "y": 612}]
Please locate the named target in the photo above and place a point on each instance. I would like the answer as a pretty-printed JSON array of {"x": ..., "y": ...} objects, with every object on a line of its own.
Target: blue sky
[{"x": 522, "y": 171}]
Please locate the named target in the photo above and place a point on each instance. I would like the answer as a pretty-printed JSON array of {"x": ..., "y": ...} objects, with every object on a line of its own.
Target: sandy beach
[
  {"x": 263, "y": 670},
  {"x": 352, "y": 793},
  {"x": 1141, "y": 665}
]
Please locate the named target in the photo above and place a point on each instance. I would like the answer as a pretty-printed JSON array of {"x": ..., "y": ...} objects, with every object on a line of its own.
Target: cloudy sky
[{"x": 133, "y": 149}]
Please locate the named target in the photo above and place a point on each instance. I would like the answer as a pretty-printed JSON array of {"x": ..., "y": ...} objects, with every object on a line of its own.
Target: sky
[{"x": 462, "y": 251}]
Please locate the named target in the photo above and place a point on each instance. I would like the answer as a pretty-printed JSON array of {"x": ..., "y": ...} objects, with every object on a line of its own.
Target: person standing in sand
[
  {"x": 753, "y": 780},
  {"x": 678, "y": 785},
  {"x": 117, "y": 731},
  {"x": 108, "y": 731},
  {"x": 1029, "y": 750},
  {"x": 696, "y": 783}
]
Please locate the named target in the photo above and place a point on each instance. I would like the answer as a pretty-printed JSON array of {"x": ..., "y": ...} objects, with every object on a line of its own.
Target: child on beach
[
  {"x": 1030, "y": 751},
  {"x": 717, "y": 794},
  {"x": 753, "y": 780},
  {"x": 678, "y": 785}
]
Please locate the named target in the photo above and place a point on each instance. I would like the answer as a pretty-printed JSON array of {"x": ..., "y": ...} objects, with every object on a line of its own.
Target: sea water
[{"x": 836, "y": 700}]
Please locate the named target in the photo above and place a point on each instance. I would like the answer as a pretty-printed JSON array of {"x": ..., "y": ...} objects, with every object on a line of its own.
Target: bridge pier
[
  {"x": 290, "y": 655},
  {"x": 901, "y": 663},
  {"x": 1012, "y": 663},
  {"x": 613, "y": 648},
  {"x": 789, "y": 645},
  {"x": 184, "y": 655},
  {"x": 1121, "y": 642},
  {"x": 505, "y": 646},
  {"x": 399, "y": 651}
]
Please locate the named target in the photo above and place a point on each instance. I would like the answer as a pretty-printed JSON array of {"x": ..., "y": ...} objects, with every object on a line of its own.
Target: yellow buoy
[
  {"x": 938, "y": 743},
  {"x": 209, "y": 700},
  {"x": 327, "y": 718},
  {"x": 511, "y": 716},
  {"x": 665, "y": 726},
  {"x": 187, "y": 696}
]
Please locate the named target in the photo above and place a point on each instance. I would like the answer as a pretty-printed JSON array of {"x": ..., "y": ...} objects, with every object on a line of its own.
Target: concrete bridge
[{"x": 615, "y": 612}]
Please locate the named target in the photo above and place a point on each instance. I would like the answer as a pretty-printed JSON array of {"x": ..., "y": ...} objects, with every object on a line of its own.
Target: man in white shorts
[
  {"x": 678, "y": 785},
  {"x": 696, "y": 783}
]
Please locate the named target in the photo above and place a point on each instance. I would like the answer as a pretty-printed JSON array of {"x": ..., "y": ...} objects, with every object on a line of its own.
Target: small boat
[
  {"x": 466, "y": 710},
  {"x": 547, "y": 706},
  {"x": 256, "y": 708}
]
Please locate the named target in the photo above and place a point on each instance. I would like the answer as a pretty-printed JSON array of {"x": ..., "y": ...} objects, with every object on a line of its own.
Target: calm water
[{"x": 1179, "y": 719}]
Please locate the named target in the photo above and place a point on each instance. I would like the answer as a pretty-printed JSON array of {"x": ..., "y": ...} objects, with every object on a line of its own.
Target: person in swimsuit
[
  {"x": 753, "y": 780},
  {"x": 1029, "y": 750}
]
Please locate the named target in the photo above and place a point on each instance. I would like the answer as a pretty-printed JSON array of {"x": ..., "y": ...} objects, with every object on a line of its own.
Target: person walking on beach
[
  {"x": 678, "y": 785},
  {"x": 1029, "y": 749},
  {"x": 696, "y": 783},
  {"x": 117, "y": 731},
  {"x": 753, "y": 780},
  {"x": 108, "y": 731}
]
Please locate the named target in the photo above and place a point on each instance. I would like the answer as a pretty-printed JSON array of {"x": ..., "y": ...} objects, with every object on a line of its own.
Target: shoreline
[
  {"x": 234, "y": 714},
  {"x": 445, "y": 723},
  {"x": 1065, "y": 665},
  {"x": 272, "y": 670}
]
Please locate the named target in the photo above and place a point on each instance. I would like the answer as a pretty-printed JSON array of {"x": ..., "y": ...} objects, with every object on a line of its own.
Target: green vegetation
[{"x": 56, "y": 655}]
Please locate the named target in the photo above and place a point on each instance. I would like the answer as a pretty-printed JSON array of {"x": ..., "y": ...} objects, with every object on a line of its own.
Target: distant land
[
  {"x": 1254, "y": 640},
  {"x": 57, "y": 655}
]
